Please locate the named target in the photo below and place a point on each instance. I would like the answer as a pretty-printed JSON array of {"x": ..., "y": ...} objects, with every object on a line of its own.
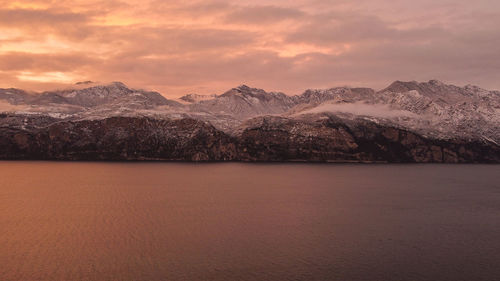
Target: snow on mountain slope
[
  {"x": 85, "y": 100},
  {"x": 87, "y": 97},
  {"x": 437, "y": 109},
  {"x": 13, "y": 96},
  {"x": 244, "y": 102},
  {"x": 433, "y": 109}
]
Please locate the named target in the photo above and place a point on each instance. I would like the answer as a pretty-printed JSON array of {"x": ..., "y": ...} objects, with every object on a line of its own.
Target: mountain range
[{"x": 405, "y": 122}]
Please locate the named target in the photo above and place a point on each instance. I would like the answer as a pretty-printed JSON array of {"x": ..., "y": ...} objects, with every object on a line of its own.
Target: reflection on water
[{"x": 167, "y": 221}]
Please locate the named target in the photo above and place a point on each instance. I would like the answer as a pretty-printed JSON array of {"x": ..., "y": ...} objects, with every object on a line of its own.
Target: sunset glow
[{"x": 211, "y": 46}]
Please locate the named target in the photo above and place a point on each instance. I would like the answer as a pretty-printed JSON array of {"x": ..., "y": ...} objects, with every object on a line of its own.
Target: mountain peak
[
  {"x": 118, "y": 84},
  {"x": 84, "y": 82},
  {"x": 436, "y": 82},
  {"x": 92, "y": 85},
  {"x": 243, "y": 87},
  {"x": 401, "y": 86},
  {"x": 242, "y": 90},
  {"x": 405, "y": 86}
]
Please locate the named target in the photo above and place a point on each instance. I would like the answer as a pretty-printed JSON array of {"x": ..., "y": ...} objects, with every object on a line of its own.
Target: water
[{"x": 166, "y": 221}]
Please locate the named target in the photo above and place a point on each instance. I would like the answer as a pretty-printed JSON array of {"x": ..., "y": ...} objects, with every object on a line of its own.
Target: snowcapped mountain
[
  {"x": 244, "y": 102},
  {"x": 14, "y": 96},
  {"x": 112, "y": 95},
  {"x": 431, "y": 108},
  {"x": 407, "y": 121},
  {"x": 95, "y": 100}
]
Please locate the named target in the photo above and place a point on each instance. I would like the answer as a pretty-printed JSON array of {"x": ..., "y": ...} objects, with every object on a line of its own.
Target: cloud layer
[{"x": 210, "y": 46}]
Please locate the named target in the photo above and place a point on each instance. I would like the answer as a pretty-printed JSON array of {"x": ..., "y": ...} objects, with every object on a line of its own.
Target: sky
[{"x": 207, "y": 47}]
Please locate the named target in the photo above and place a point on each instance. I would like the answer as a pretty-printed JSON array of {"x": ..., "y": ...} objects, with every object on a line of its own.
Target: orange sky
[{"x": 211, "y": 46}]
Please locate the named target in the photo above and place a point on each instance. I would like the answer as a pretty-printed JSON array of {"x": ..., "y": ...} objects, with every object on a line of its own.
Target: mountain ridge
[{"x": 446, "y": 119}]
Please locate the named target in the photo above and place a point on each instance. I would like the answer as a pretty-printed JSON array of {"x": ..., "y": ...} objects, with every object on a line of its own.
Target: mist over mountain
[{"x": 405, "y": 122}]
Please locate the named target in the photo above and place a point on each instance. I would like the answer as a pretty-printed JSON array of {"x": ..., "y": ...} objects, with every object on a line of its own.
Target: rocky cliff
[{"x": 405, "y": 122}]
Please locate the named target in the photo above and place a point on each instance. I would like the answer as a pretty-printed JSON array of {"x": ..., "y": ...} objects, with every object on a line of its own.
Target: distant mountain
[
  {"x": 405, "y": 122},
  {"x": 14, "y": 96},
  {"x": 244, "y": 102},
  {"x": 432, "y": 109}
]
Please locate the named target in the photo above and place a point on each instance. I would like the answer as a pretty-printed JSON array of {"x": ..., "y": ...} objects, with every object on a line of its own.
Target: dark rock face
[
  {"x": 333, "y": 139},
  {"x": 316, "y": 138},
  {"x": 118, "y": 138},
  {"x": 282, "y": 139},
  {"x": 406, "y": 122}
]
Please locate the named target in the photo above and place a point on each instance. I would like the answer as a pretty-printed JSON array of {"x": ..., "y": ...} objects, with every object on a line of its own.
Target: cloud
[
  {"x": 179, "y": 41},
  {"x": 19, "y": 61},
  {"x": 259, "y": 15},
  {"x": 209, "y": 46},
  {"x": 357, "y": 28},
  {"x": 362, "y": 109},
  {"x": 36, "y": 18}
]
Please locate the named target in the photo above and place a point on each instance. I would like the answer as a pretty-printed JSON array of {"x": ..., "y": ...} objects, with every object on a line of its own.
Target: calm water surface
[{"x": 166, "y": 221}]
